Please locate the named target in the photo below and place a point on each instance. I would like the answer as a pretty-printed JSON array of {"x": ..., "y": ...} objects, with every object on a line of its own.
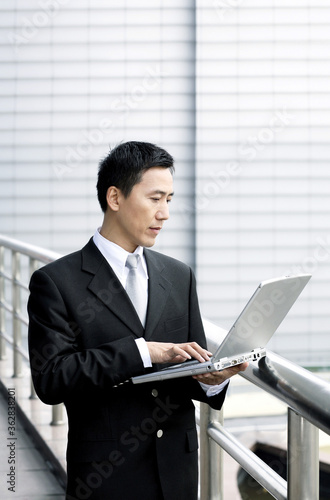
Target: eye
[{"x": 155, "y": 199}]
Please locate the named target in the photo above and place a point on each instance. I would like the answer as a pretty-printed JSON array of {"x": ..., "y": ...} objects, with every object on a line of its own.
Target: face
[{"x": 140, "y": 217}]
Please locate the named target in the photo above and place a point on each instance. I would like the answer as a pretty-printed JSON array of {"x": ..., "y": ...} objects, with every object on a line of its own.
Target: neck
[{"x": 108, "y": 231}]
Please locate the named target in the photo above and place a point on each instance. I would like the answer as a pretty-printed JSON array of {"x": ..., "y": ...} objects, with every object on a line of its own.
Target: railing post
[
  {"x": 17, "y": 331},
  {"x": 57, "y": 415},
  {"x": 2, "y": 309},
  {"x": 303, "y": 458},
  {"x": 211, "y": 456},
  {"x": 33, "y": 266}
]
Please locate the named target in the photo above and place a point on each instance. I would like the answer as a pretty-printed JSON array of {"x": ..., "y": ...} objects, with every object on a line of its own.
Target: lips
[{"x": 155, "y": 229}]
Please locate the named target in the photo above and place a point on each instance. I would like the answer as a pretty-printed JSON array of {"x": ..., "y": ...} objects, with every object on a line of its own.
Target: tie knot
[{"x": 132, "y": 261}]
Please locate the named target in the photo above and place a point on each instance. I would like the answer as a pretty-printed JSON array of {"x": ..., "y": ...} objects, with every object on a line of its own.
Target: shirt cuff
[
  {"x": 213, "y": 390},
  {"x": 144, "y": 352}
]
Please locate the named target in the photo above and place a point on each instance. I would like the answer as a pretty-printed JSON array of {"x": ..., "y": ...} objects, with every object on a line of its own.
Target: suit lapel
[
  {"x": 159, "y": 290},
  {"x": 108, "y": 289}
]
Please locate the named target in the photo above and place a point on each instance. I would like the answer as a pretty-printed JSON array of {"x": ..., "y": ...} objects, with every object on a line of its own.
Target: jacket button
[
  {"x": 160, "y": 433},
  {"x": 154, "y": 392}
]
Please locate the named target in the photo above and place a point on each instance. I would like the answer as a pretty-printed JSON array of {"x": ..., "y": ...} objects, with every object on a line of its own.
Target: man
[{"x": 87, "y": 339}]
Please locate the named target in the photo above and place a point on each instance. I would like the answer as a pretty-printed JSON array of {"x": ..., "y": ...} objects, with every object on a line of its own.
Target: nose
[{"x": 164, "y": 212}]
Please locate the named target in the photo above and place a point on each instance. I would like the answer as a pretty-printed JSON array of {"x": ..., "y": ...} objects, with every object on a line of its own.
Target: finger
[
  {"x": 182, "y": 352},
  {"x": 197, "y": 352},
  {"x": 217, "y": 377},
  {"x": 210, "y": 379},
  {"x": 178, "y": 351},
  {"x": 233, "y": 370}
]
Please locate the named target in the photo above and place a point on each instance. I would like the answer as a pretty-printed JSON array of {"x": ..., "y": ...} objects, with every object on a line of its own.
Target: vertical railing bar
[
  {"x": 204, "y": 445},
  {"x": 57, "y": 414},
  {"x": 33, "y": 266},
  {"x": 211, "y": 463},
  {"x": 216, "y": 461},
  {"x": 3, "y": 353},
  {"x": 33, "y": 394},
  {"x": 303, "y": 458},
  {"x": 16, "y": 298}
]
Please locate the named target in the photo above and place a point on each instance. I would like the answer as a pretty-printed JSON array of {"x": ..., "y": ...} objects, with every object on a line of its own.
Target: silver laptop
[{"x": 247, "y": 338}]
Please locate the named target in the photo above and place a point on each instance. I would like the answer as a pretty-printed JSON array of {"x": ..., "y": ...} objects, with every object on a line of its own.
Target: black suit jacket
[{"x": 82, "y": 347}]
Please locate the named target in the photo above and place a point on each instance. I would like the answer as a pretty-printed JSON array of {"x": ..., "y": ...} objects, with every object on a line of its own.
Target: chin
[{"x": 148, "y": 244}]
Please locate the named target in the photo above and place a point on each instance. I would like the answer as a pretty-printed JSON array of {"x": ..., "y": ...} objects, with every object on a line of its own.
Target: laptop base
[{"x": 199, "y": 368}]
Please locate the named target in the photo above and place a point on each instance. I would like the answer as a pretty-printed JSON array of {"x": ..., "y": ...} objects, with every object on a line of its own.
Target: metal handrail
[
  {"x": 301, "y": 390},
  {"x": 34, "y": 252},
  {"x": 305, "y": 394},
  {"x": 308, "y": 399},
  {"x": 36, "y": 257},
  {"x": 250, "y": 462}
]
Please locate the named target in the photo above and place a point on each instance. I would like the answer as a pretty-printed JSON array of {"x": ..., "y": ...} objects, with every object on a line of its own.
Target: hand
[
  {"x": 167, "y": 352},
  {"x": 216, "y": 378}
]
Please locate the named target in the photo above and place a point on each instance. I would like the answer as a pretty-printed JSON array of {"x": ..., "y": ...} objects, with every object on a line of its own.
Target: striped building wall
[
  {"x": 263, "y": 150},
  {"x": 237, "y": 90},
  {"x": 77, "y": 77}
]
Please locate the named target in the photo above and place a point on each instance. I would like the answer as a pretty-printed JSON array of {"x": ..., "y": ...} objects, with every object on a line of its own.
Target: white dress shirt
[{"x": 116, "y": 256}]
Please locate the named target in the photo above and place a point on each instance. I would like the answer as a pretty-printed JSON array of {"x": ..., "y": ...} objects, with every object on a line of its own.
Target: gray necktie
[{"x": 133, "y": 288}]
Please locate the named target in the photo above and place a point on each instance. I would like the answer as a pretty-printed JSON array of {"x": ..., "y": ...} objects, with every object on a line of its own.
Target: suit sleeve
[{"x": 58, "y": 368}]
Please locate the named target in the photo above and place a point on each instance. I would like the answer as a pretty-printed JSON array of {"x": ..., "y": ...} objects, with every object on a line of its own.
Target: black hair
[{"x": 125, "y": 165}]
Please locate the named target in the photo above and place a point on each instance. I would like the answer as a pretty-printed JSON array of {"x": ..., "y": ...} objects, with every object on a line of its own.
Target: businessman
[{"x": 113, "y": 310}]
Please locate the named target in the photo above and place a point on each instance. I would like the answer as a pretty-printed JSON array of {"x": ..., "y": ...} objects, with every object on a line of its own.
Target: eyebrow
[{"x": 159, "y": 191}]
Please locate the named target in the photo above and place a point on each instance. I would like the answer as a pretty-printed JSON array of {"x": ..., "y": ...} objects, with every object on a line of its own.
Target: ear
[{"x": 113, "y": 195}]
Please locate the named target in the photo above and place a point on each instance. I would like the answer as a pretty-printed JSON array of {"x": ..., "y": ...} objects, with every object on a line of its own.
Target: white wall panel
[
  {"x": 76, "y": 78},
  {"x": 250, "y": 78},
  {"x": 263, "y": 178}
]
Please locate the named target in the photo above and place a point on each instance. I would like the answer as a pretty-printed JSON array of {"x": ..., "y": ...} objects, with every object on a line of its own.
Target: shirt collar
[{"x": 116, "y": 255}]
